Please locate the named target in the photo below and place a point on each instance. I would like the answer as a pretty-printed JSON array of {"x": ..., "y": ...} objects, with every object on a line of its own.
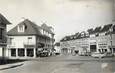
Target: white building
[
  {"x": 57, "y": 47},
  {"x": 101, "y": 39},
  {"x": 27, "y": 38}
]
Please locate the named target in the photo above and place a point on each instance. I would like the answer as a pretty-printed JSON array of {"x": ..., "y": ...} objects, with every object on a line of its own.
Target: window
[
  {"x": 10, "y": 40},
  {"x": 21, "y": 28},
  {"x": 97, "y": 34},
  {"x": 30, "y": 52},
  {"x": 1, "y": 33},
  {"x": 13, "y": 52},
  {"x": 29, "y": 37},
  {"x": 29, "y": 40},
  {"x": 21, "y": 52}
]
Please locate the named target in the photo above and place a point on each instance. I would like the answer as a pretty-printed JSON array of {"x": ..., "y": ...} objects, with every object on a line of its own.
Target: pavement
[
  {"x": 13, "y": 65},
  {"x": 63, "y": 64}
]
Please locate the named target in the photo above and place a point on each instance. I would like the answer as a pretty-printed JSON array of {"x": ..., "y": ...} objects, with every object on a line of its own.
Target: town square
[{"x": 57, "y": 36}]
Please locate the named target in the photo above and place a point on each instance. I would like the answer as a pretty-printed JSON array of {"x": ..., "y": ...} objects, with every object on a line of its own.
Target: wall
[
  {"x": 0, "y": 52},
  {"x": 19, "y": 41}
]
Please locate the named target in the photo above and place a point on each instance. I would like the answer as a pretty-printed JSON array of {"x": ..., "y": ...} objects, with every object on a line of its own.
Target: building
[
  {"x": 57, "y": 47},
  {"x": 3, "y": 36},
  {"x": 27, "y": 38},
  {"x": 99, "y": 39}
]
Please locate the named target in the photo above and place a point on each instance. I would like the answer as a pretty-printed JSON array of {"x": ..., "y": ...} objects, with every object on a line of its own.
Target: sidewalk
[{"x": 8, "y": 66}]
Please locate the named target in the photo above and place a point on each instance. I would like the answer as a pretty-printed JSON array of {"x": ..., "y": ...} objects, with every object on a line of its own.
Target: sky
[{"x": 65, "y": 16}]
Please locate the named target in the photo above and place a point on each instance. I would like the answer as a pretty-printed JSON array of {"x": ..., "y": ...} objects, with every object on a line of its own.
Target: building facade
[
  {"x": 3, "y": 36},
  {"x": 100, "y": 39},
  {"x": 27, "y": 38},
  {"x": 57, "y": 47}
]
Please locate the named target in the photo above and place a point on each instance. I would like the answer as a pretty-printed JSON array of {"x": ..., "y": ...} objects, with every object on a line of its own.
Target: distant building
[
  {"x": 57, "y": 47},
  {"x": 3, "y": 36},
  {"x": 27, "y": 38},
  {"x": 101, "y": 39}
]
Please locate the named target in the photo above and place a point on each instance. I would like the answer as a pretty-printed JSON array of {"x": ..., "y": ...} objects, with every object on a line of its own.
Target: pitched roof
[
  {"x": 106, "y": 28},
  {"x": 47, "y": 28},
  {"x": 97, "y": 29},
  {"x": 31, "y": 29},
  {"x": 4, "y": 20},
  {"x": 57, "y": 44},
  {"x": 90, "y": 31}
]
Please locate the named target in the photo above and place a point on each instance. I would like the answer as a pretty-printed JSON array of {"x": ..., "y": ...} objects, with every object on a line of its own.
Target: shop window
[
  {"x": 113, "y": 49},
  {"x": 105, "y": 50},
  {"x": 20, "y": 52},
  {"x": 13, "y": 52},
  {"x": 93, "y": 48},
  {"x": 30, "y": 52}
]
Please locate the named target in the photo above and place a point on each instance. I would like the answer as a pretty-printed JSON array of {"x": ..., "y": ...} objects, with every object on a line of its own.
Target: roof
[
  {"x": 47, "y": 28},
  {"x": 76, "y": 36},
  {"x": 97, "y": 29},
  {"x": 31, "y": 29},
  {"x": 84, "y": 34},
  {"x": 106, "y": 28},
  {"x": 4, "y": 20},
  {"x": 90, "y": 31},
  {"x": 57, "y": 44},
  {"x": 113, "y": 29}
]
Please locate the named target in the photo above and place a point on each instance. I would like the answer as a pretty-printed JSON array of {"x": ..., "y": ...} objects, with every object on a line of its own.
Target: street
[{"x": 65, "y": 64}]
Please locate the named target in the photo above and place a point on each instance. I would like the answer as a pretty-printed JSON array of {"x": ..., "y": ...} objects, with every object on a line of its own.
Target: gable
[{"x": 29, "y": 29}]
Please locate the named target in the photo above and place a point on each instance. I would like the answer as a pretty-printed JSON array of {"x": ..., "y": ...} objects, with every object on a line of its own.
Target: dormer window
[
  {"x": 97, "y": 34},
  {"x": 21, "y": 28},
  {"x": 82, "y": 34}
]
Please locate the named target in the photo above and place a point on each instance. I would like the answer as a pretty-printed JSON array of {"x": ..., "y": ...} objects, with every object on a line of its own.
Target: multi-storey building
[
  {"x": 27, "y": 38},
  {"x": 3, "y": 36},
  {"x": 100, "y": 39}
]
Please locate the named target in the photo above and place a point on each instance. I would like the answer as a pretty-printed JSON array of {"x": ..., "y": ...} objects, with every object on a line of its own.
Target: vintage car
[{"x": 98, "y": 55}]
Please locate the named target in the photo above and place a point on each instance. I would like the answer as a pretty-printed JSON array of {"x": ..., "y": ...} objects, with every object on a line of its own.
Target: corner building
[{"x": 27, "y": 38}]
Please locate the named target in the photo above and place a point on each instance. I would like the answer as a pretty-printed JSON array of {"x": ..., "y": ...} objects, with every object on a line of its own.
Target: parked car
[
  {"x": 81, "y": 54},
  {"x": 44, "y": 53},
  {"x": 85, "y": 54},
  {"x": 98, "y": 55},
  {"x": 108, "y": 54}
]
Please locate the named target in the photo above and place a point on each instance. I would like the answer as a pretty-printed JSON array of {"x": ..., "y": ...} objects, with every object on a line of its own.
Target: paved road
[{"x": 65, "y": 64}]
